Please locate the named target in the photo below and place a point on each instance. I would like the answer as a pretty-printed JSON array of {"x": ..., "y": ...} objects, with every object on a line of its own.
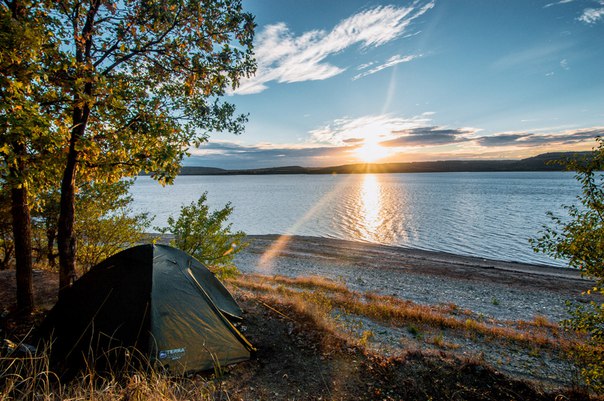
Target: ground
[{"x": 332, "y": 339}]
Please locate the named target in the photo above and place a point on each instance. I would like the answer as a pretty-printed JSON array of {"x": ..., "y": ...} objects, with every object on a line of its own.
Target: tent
[{"x": 155, "y": 298}]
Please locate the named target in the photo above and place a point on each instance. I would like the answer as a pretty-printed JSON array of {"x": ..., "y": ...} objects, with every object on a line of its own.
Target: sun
[{"x": 371, "y": 151}]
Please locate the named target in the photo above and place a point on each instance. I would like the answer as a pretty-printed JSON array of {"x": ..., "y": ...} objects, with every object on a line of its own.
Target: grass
[
  {"x": 29, "y": 378},
  {"x": 325, "y": 295},
  {"x": 308, "y": 306}
]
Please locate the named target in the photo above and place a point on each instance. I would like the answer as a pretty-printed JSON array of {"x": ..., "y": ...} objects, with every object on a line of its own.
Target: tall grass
[{"x": 30, "y": 378}]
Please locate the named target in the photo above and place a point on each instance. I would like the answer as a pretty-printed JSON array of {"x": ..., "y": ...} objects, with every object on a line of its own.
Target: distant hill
[
  {"x": 543, "y": 162},
  {"x": 202, "y": 171}
]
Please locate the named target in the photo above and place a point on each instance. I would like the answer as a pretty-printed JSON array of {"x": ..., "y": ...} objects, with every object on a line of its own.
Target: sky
[{"x": 353, "y": 81}]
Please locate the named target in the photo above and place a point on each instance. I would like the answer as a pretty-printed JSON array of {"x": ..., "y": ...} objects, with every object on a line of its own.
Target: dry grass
[
  {"x": 29, "y": 378},
  {"x": 324, "y": 295}
]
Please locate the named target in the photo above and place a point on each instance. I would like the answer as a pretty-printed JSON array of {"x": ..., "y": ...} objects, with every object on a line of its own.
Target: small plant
[
  {"x": 495, "y": 301},
  {"x": 365, "y": 337},
  {"x": 541, "y": 321},
  {"x": 414, "y": 331},
  {"x": 206, "y": 235},
  {"x": 535, "y": 352},
  {"x": 472, "y": 325},
  {"x": 438, "y": 340}
]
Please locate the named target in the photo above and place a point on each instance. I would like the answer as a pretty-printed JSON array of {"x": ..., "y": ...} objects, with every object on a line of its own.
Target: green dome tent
[{"x": 155, "y": 298}]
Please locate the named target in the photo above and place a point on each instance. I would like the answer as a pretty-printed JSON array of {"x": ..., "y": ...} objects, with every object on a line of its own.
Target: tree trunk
[
  {"x": 51, "y": 256},
  {"x": 20, "y": 209},
  {"x": 65, "y": 238},
  {"x": 22, "y": 240}
]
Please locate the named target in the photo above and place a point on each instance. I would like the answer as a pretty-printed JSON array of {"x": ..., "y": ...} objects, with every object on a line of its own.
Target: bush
[
  {"x": 104, "y": 223},
  {"x": 580, "y": 240},
  {"x": 206, "y": 235}
]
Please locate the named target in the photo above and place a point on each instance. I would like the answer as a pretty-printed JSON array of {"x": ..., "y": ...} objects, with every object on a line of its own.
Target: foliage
[
  {"x": 105, "y": 224},
  {"x": 142, "y": 83},
  {"x": 32, "y": 130},
  {"x": 589, "y": 319},
  {"x": 203, "y": 234},
  {"x": 146, "y": 77},
  {"x": 580, "y": 240},
  {"x": 29, "y": 136}
]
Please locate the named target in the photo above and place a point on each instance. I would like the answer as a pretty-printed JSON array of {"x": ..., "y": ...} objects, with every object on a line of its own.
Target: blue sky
[{"x": 350, "y": 81}]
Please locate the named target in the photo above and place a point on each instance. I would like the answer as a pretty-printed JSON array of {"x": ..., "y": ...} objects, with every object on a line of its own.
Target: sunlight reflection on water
[{"x": 370, "y": 205}]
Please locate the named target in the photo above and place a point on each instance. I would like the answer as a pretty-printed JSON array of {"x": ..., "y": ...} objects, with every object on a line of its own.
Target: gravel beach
[{"x": 498, "y": 289}]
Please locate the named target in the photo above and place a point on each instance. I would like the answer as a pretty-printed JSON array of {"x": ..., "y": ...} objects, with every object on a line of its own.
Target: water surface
[{"x": 490, "y": 215}]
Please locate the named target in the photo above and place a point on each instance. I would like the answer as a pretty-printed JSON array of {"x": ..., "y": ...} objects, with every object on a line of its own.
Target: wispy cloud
[
  {"x": 593, "y": 15},
  {"x": 365, "y": 65},
  {"x": 284, "y": 57},
  {"x": 555, "y": 3},
  {"x": 532, "y": 56},
  {"x": 392, "y": 61}
]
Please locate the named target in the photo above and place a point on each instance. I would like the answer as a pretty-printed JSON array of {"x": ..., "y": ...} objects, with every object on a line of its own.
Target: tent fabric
[
  {"x": 212, "y": 286},
  {"x": 154, "y": 298}
]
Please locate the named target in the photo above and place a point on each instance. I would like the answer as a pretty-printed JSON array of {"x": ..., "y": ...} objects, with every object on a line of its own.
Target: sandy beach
[{"x": 498, "y": 289}]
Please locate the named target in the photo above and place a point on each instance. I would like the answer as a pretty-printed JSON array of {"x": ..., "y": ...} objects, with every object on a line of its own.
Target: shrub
[
  {"x": 580, "y": 240},
  {"x": 207, "y": 236}
]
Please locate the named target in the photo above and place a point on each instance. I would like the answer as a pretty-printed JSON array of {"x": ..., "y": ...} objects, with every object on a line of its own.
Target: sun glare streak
[
  {"x": 265, "y": 264},
  {"x": 391, "y": 91}
]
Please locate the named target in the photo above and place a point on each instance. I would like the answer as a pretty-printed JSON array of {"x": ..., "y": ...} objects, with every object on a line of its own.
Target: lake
[{"x": 490, "y": 215}]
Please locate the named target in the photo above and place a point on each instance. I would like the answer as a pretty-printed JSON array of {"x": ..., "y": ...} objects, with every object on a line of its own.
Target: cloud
[
  {"x": 381, "y": 127},
  {"x": 557, "y": 3},
  {"x": 528, "y": 139},
  {"x": 285, "y": 58},
  {"x": 531, "y": 56},
  {"x": 463, "y": 142},
  {"x": 230, "y": 155},
  {"x": 392, "y": 61},
  {"x": 429, "y": 136},
  {"x": 366, "y": 65},
  {"x": 592, "y": 15}
]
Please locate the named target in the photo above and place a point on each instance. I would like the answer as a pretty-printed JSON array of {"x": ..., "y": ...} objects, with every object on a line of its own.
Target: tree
[
  {"x": 579, "y": 239},
  {"x": 26, "y": 51},
  {"x": 104, "y": 225},
  {"x": 6, "y": 236},
  {"x": 144, "y": 81},
  {"x": 203, "y": 234}
]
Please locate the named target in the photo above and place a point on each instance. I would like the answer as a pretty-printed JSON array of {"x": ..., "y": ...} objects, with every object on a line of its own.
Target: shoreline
[
  {"x": 498, "y": 289},
  {"x": 425, "y": 255}
]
